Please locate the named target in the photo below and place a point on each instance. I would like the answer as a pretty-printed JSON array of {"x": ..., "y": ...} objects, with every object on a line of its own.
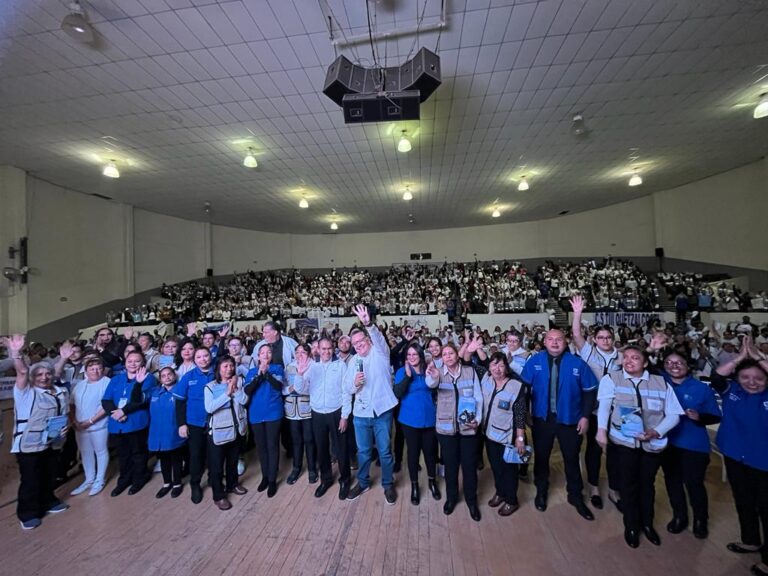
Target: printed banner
[
  {"x": 632, "y": 319},
  {"x": 6, "y": 387}
]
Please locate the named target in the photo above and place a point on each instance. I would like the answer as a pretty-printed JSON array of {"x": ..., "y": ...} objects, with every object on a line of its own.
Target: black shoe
[
  {"x": 632, "y": 538},
  {"x": 739, "y": 549},
  {"x": 272, "y": 489},
  {"x": 135, "y": 489},
  {"x": 176, "y": 491},
  {"x": 397, "y": 467},
  {"x": 677, "y": 525},
  {"x": 313, "y": 476},
  {"x": 353, "y": 465},
  {"x": 356, "y": 491},
  {"x": 755, "y": 570},
  {"x": 415, "y": 496},
  {"x": 163, "y": 491},
  {"x": 344, "y": 490},
  {"x": 118, "y": 490},
  {"x": 523, "y": 476},
  {"x": 390, "y": 495},
  {"x": 652, "y": 535},
  {"x": 581, "y": 508},
  {"x": 448, "y": 507},
  {"x": 322, "y": 489},
  {"x": 197, "y": 494},
  {"x": 293, "y": 476},
  {"x": 700, "y": 529},
  {"x": 263, "y": 485},
  {"x": 434, "y": 490},
  {"x": 596, "y": 501},
  {"x": 540, "y": 502},
  {"x": 474, "y": 512},
  {"x": 480, "y": 465}
]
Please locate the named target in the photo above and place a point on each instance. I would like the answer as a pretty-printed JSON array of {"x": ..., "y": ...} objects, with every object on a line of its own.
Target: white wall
[{"x": 13, "y": 227}]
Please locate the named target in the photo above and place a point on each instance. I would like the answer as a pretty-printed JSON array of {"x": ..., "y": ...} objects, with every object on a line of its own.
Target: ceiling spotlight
[
  {"x": 334, "y": 226},
  {"x": 404, "y": 145},
  {"x": 303, "y": 203},
  {"x": 523, "y": 186},
  {"x": 250, "y": 160},
  {"x": 75, "y": 24},
  {"x": 496, "y": 213},
  {"x": 635, "y": 180},
  {"x": 110, "y": 170},
  {"x": 407, "y": 194},
  {"x": 761, "y": 110},
  {"x": 578, "y": 128}
]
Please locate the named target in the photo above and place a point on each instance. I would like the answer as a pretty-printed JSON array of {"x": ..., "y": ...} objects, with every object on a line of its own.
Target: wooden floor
[{"x": 295, "y": 533}]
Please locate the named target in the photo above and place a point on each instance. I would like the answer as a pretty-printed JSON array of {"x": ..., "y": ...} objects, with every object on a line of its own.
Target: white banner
[
  {"x": 6, "y": 387},
  {"x": 632, "y": 319}
]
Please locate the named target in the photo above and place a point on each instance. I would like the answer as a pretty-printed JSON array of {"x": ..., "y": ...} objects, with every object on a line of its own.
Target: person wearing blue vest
[
  {"x": 264, "y": 387},
  {"x": 164, "y": 433},
  {"x": 563, "y": 391},
  {"x": 417, "y": 416},
  {"x": 192, "y": 417},
  {"x": 125, "y": 400},
  {"x": 686, "y": 458},
  {"x": 743, "y": 440}
]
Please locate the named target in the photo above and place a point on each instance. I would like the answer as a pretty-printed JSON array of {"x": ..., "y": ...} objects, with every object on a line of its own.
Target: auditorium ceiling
[{"x": 177, "y": 91}]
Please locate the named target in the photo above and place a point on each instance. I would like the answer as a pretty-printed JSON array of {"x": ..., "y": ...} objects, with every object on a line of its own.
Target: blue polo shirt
[
  {"x": 574, "y": 378},
  {"x": 119, "y": 391},
  {"x": 693, "y": 395},
  {"x": 266, "y": 402},
  {"x": 743, "y": 432},
  {"x": 163, "y": 430},
  {"x": 191, "y": 388},
  {"x": 417, "y": 407}
]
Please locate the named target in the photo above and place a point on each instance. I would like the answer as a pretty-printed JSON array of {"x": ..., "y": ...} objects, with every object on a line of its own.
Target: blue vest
[
  {"x": 694, "y": 395},
  {"x": 575, "y": 377},
  {"x": 743, "y": 433},
  {"x": 417, "y": 407},
  {"x": 266, "y": 402},
  {"x": 119, "y": 391},
  {"x": 191, "y": 388},
  {"x": 163, "y": 430}
]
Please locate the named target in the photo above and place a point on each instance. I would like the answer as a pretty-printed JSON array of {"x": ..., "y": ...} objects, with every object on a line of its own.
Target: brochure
[{"x": 631, "y": 421}]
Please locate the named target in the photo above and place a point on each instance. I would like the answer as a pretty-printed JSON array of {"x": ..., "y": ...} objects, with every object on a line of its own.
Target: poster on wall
[
  {"x": 6, "y": 387},
  {"x": 632, "y": 319}
]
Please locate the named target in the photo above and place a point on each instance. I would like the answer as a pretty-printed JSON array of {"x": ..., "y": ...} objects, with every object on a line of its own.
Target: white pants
[{"x": 93, "y": 451}]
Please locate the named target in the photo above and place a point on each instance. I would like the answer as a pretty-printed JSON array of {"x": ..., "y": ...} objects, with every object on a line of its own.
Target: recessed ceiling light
[
  {"x": 761, "y": 110},
  {"x": 635, "y": 180},
  {"x": 250, "y": 160},
  {"x": 496, "y": 213},
  {"x": 578, "y": 128},
  {"x": 110, "y": 170},
  {"x": 407, "y": 194},
  {"x": 404, "y": 145},
  {"x": 523, "y": 186},
  {"x": 334, "y": 226},
  {"x": 303, "y": 203}
]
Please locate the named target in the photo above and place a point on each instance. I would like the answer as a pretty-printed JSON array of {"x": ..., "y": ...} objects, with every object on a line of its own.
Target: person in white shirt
[{"x": 370, "y": 379}]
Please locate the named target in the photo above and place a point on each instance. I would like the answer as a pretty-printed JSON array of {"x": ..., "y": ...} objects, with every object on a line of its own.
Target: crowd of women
[{"x": 201, "y": 402}]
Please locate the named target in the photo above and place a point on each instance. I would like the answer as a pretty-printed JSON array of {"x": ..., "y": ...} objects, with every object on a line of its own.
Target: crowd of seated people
[{"x": 691, "y": 291}]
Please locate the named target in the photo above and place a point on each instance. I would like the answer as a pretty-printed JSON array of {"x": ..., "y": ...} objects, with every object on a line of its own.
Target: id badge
[
  {"x": 504, "y": 405},
  {"x": 467, "y": 392},
  {"x": 122, "y": 403},
  {"x": 655, "y": 404}
]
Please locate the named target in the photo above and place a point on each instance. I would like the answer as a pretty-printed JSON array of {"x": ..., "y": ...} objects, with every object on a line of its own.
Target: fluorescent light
[
  {"x": 761, "y": 110},
  {"x": 523, "y": 186},
  {"x": 303, "y": 203},
  {"x": 635, "y": 180},
  {"x": 334, "y": 226},
  {"x": 250, "y": 160},
  {"x": 407, "y": 195},
  {"x": 496, "y": 213},
  {"x": 404, "y": 145},
  {"x": 110, "y": 170}
]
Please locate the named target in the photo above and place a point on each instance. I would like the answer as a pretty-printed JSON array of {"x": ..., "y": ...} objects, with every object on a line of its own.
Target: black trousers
[
  {"x": 544, "y": 434},
  {"x": 399, "y": 437},
  {"x": 593, "y": 456},
  {"x": 351, "y": 441},
  {"x": 750, "y": 494},
  {"x": 267, "y": 437},
  {"x": 458, "y": 450},
  {"x": 418, "y": 441},
  {"x": 38, "y": 474},
  {"x": 132, "y": 455},
  {"x": 638, "y": 491},
  {"x": 685, "y": 470},
  {"x": 222, "y": 460},
  {"x": 67, "y": 456},
  {"x": 171, "y": 462},
  {"x": 303, "y": 442},
  {"x": 197, "y": 443},
  {"x": 326, "y": 430},
  {"x": 504, "y": 474}
]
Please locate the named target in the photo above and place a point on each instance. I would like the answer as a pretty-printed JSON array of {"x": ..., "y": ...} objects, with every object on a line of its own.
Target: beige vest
[
  {"x": 295, "y": 406},
  {"x": 500, "y": 419},
  {"x": 33, "y": 430},
  {"x": 449, "y": 394},
  {"x": 650, "y": 396}
]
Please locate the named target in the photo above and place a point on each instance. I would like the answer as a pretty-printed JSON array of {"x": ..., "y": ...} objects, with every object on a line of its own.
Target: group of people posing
[{"x": 198, "y": 404}]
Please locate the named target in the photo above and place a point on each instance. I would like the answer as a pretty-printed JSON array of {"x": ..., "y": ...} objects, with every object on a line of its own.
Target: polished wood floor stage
[{"x": 295, "y": 533}]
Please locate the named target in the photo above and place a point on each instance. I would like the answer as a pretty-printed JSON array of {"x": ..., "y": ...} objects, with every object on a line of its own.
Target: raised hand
[
  {"x": 15, "y": 344},
  {"x": 361, "y": 311},
  {"x": 129, "y": 334},
  {"x": 141, "y": 374},
  {"x": 433, "y": 371},
  {"x": 303, "y": 365},
  {"x": 577, "y": 304},
  {"x": 191, "y": 329},
  {"x": 658, "y": 341},
  {"x": 224, "y": 331},
  {"x": 408, "y": 370},
  {"x": 65, "y": 350}
]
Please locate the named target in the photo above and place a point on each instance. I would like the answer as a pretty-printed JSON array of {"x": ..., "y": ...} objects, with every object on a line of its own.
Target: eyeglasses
[{"x": 673, "y": 363}]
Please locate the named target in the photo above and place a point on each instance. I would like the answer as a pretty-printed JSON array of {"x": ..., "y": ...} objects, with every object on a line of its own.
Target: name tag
[
  {"x": 537, "y": 367},
  {"x": 121, "y": 404},
  {"x": 655, "y": 404}
]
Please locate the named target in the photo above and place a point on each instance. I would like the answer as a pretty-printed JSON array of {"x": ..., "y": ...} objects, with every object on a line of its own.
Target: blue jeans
[{"x": 368, "y": 431}]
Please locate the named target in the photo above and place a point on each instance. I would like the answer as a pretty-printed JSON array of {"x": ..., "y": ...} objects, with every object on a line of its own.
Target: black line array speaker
[{"x": 395, "y": 106}]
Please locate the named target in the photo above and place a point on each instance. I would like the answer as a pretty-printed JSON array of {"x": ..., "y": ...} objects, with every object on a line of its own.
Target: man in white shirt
[{"x": 370, "y": 379}]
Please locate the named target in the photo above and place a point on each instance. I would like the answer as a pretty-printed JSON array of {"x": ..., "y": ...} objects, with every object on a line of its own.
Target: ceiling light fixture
[
  {"x": 334, "y": 226},
  {"x": 404, "y": 145},
  {"x": 76, "y": 26},
  {"x": 250, "y": 160},
  {"x": 523, "y": 186},
  {"x": 578, "y": 128},
  {"x": 635, "y": 180},
  {"x": 110, "y": 170},
  {"x": 761, "y": 110},
  {"x": 303, "y": 203},
  {"x": 407, "y": 194},
  {"x": 496, "y": 213}
]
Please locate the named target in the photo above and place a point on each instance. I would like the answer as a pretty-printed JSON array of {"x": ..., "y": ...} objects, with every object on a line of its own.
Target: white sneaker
[
  {"x": 82, "y": 488},
  {"x": 96, "y": 488},
  {"x": 240, "y": 467}
]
